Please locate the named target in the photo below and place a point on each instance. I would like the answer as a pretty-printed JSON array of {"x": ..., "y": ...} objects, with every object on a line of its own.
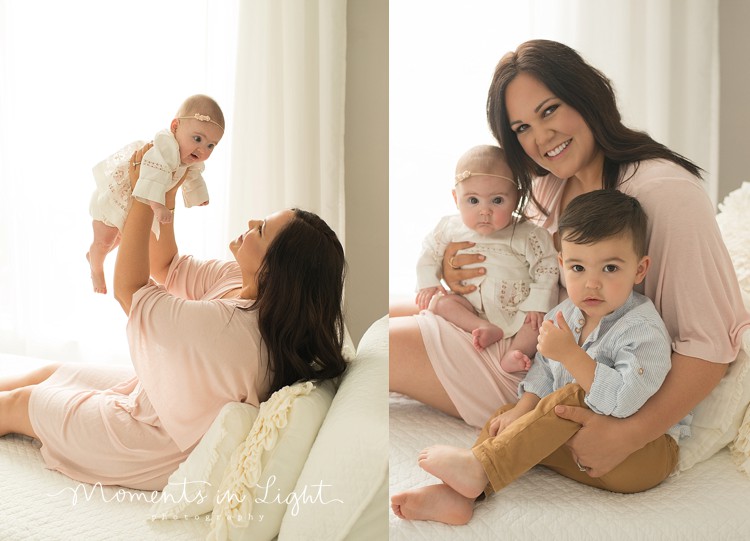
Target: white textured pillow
[
  {"x": 350, "y": 455},
  {"x": 191, "y": 489},
  {"x": 734, "y": 222},
  {"x": 717, "y": 419},
  {"x": 259, "y": 480}
]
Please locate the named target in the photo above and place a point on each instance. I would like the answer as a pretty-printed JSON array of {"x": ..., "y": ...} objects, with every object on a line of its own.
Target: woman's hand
[
  {"x": 134, "y": 169},
  {"x": 602, "y": 441},
  {"x": 453, "y": 274}
]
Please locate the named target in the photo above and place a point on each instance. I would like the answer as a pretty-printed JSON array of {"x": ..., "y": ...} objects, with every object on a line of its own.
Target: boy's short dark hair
[{"x": 601, "y": 214}]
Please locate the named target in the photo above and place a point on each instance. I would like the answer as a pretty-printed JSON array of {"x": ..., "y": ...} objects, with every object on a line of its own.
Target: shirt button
[
  {"x": 581, "y": 321},
  {"x": 640, "y": 371},
  {"x": 577, "y": 330}
]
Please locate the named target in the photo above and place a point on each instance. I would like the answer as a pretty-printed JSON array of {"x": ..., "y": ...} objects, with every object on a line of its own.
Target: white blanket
[{"x": 710, "y": 501}]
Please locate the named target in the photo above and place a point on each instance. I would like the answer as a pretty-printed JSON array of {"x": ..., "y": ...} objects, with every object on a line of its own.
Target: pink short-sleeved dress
[
  {"x": 691, "y": 281},
  {"x": 192, "y": 353}
]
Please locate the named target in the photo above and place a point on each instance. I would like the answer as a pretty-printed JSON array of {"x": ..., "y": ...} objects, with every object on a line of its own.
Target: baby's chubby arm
[
  {"x": 161, "y": 212},
  {"x": 535, "y": 319}
]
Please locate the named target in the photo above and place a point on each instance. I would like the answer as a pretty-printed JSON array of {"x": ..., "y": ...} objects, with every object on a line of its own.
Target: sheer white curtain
[
  {"x": 289, "y": 120},
  {"x": 661, "y": 56},
  {"x": 79, "y": 79}
]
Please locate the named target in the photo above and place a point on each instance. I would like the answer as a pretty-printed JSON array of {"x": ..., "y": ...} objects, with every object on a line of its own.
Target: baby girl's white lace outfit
[
  {"x": 160, "y": 170},
  {"x": 521, "y": 263}
]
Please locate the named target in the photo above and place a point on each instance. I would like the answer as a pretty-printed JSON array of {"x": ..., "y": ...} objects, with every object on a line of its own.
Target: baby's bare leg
[
  {"x": 460, "y": 312},
  {"x": 522, "y": 350},
  {"x": 106, "y": 239}
]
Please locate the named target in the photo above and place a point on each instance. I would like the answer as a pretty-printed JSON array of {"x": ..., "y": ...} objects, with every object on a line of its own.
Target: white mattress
[
  {"x": 710, "y": 501},
  {"x": 39, "y": 504}
]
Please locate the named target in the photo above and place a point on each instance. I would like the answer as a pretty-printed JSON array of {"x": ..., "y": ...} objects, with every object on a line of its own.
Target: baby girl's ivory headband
[
  {"x": 466, "y": 174},
  {"x": 202, "y": 118}
]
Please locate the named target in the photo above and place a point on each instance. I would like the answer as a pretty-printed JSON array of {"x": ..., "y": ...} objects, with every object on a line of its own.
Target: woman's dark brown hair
[
  {"x": 299, "y": 302},
  {"x": 567, "y": 75}
]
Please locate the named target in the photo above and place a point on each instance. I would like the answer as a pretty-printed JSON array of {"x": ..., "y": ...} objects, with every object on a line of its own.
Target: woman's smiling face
[
  {"x": 550, "y": 131},
  {"x": 249, "y": 249}
]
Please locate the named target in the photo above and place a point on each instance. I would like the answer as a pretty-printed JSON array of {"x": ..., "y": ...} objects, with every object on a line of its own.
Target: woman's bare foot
[
  {"x": 515, "y": 361},
  {"x": 434, "y": 502},
  {"x": 486, "y": 336},
  {"x": 97, "y": 277},
  {"x": 458, "y": 468}
]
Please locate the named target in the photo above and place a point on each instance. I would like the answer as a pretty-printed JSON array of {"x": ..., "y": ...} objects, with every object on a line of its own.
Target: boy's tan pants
[{"x": 539, "y": 437}]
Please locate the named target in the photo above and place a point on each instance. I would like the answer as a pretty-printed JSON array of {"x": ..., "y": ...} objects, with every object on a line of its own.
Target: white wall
[
  {"x": 734, "y": 110},
  {"x": 366, "y": 157}
]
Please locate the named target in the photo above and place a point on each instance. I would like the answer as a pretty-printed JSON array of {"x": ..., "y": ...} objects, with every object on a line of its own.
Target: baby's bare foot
[
  {"x": 97, "y": 278},
  {"x": 435, "y": 502},
  {"x": 458, "y": 468},
  {"x": 486, "y": 336},
  {"x": 515, "y": 361}
]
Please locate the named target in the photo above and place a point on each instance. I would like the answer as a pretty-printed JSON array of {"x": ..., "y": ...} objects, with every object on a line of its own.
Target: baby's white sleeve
[
  {"x": 194, "y": 189},
  {"x": 543, "y": 271},
  {"x": 430, "y": 262},
  {"x": 157, "y": 166}
]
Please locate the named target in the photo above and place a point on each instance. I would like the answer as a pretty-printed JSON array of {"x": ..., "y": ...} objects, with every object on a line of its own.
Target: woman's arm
[
  {"x": 604, "y": 442},
  {"x": 132, "y": 265},
  {"x": 135, "y": 260},
  {"x": 164, "y": 250}
]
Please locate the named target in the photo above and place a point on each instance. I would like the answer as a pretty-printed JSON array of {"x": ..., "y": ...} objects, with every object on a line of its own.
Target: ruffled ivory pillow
[
  {"x": 734, "y": 222},
  {"x": 191, "y": 489},
  {"x": 259, "y": 480}
]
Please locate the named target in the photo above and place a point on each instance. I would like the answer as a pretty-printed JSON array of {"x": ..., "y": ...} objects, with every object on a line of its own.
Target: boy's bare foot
[
  {"x": 515, "y": 361},
  {"x": 97, "y": 278},
  {"x": 458, "y": 468},
  {"x": 486, "y": 336},
  {"x": 434, "y": 502}
]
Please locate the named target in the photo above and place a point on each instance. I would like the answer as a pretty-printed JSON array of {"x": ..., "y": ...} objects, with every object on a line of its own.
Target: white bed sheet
[
  {"x": 710, "y": 501},
  {"x": 37, "y": 504}
]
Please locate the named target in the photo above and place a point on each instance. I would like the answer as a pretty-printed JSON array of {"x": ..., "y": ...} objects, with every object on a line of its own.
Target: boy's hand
[
  {"x": 425, "y": 295},
  {"x": 556, "y": 342},
  {"x": 502, "y": 421}
]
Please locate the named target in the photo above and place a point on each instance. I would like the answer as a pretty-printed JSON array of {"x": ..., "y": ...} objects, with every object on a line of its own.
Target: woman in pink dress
[
  {"x": 556, "y": 117},
  {"x": 201, "y": 334}
]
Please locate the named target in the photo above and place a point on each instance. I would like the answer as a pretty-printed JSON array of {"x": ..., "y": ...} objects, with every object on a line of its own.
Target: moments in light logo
[{"x": 199, "y": 492}]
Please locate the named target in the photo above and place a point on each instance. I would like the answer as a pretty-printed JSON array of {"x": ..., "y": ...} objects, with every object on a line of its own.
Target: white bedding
[
  {"x": 39, "y": 504},
  {"x": 44, "y": 505},
  {"x": 710, "y": 501}
]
